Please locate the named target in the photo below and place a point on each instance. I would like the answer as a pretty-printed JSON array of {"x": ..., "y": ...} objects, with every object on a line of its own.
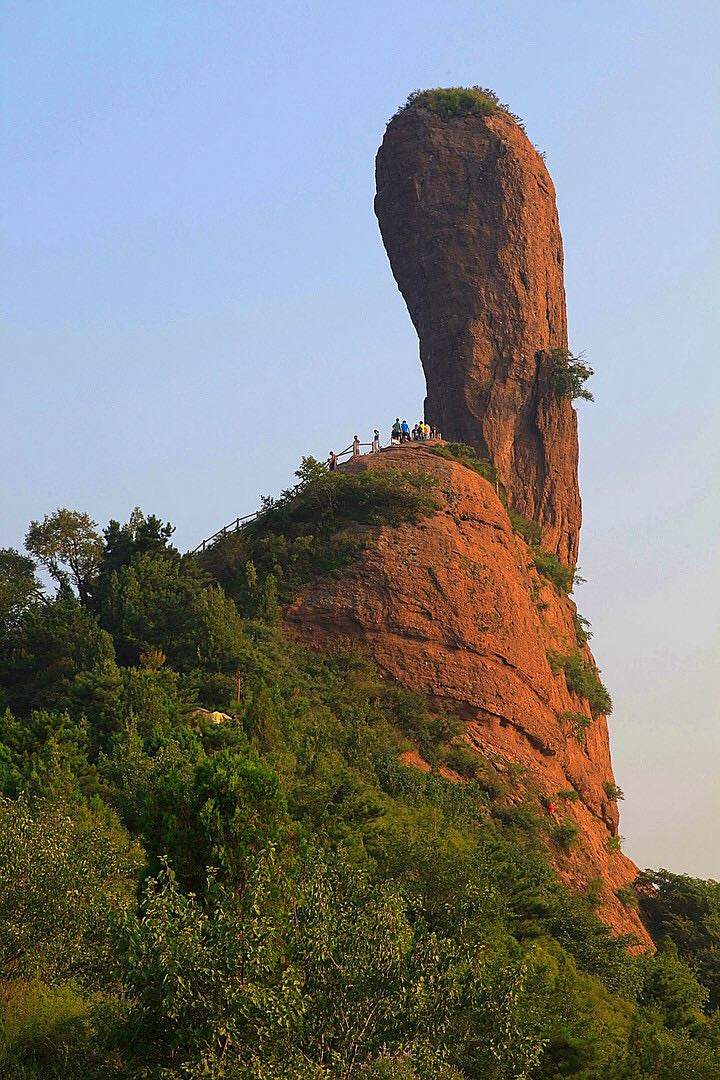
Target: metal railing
[{"x": 234, "y": 526}]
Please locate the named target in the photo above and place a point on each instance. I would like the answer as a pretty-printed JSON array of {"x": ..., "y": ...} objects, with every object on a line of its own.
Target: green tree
[
  {"x": 141, "y": 535},
  {"x": 45, "y": 751},
  {"x": 19, "y": 587},
  {"x": 50, "y": 645},
  {"x": 686, "y": 911},
  {"x": 211, "y": 979},
  {"x": 69, "y": 546},
  {"x": 671, "y": 987},
  {"x": 155, "y": 602}
]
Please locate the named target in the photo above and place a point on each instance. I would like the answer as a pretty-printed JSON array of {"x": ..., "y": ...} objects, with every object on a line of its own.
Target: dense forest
[{"x": 213, "y": 862}]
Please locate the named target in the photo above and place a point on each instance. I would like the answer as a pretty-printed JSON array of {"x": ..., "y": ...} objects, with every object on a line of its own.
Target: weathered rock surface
[
  {"x": 451, "y": 606},
  {"x": 467, "y": 213}
]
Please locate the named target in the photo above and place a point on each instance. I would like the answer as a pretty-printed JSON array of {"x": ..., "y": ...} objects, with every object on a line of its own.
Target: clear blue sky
[{"x": 195, "y": 294}]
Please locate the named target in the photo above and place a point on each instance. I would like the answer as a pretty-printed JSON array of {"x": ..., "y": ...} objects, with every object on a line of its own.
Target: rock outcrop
[
  {"x": 452, "y": 606},
  {"x": 467, "y": 213}
]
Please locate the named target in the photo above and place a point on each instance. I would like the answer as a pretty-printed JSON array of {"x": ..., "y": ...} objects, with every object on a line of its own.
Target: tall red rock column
[{"x": 467, "y": 213}]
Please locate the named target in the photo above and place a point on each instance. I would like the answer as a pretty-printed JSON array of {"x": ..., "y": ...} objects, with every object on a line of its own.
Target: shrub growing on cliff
[
  {"x": 612, "y": 791},
  {"x": 531, "y": 531},
  {"x": 583, "y": 633},
  {"x": 546, "y": 563},
  {"x": 570, "y": 375},
  {"x": 564, "y": 578},
  {"x": 467, "y": 456},
  {"x": 578, "y": 723},
  {"x": 583, "y": 679},
  {"x": 566, "y": 835}
]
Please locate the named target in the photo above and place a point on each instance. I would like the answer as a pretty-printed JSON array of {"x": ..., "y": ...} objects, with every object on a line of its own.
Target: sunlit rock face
[{"x": 467, "y": 213}]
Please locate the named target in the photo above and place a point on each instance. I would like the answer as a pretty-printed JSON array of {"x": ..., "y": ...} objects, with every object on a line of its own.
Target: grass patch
[
  {"x": 569, "y": 794},
  {"x": 583, "y": 679},
  {"x": 614, "y": 843},
  {"x": 462, "y": 760}
]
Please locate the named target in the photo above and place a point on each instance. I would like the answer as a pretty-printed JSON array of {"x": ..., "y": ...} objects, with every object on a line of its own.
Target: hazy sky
[{"x": 195, "y": 294}]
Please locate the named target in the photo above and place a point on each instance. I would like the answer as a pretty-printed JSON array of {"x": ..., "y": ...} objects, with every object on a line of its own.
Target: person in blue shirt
[{"x": 405, "y": 429}]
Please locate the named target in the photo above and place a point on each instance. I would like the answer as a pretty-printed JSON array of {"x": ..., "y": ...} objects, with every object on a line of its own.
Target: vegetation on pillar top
[{"x": 454, "y": 101}]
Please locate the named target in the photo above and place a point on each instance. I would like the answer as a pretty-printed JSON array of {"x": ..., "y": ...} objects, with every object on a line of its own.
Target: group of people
[{"x": 401, "y": 432}]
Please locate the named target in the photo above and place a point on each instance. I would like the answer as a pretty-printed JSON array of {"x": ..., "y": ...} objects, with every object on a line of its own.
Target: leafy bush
[
  {"x": 467, "y": 456},
  {"x": 583, "y": 633},
  {"x": 453, "y": 101},
  {"x": 578, "y": 723},
  {"x": 613, "y": 791},
  {"x": 63, "y": 870},
  {"x": 566, "y": 835},
  {"x": 546, "y": 563},
  {"x": 569, "y": 794},
  {"x": 627, "y": 895},
  {"x": 462, "y": 760},
  {"x": 569, "y": 375},
  {"x": 614, "y": 843},
  {"x": 582, "y": 678}
]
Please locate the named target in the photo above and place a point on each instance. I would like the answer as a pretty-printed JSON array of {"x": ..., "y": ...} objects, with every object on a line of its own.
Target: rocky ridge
[{"x": 452, "y": 606}]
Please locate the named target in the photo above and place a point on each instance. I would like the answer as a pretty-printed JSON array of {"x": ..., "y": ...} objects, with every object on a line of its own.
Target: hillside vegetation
[{"x": 214, "y": 863}]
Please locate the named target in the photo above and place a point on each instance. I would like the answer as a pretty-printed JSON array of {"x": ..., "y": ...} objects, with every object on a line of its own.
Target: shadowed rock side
[
  {"x": 451, "y": 606},
  {"x": 467, "y": 214}
]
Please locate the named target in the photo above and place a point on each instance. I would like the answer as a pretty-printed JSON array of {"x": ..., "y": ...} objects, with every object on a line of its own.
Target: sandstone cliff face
[
  {"x": 451, "y": 607},
  {"x": 467, "y": 213}
]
